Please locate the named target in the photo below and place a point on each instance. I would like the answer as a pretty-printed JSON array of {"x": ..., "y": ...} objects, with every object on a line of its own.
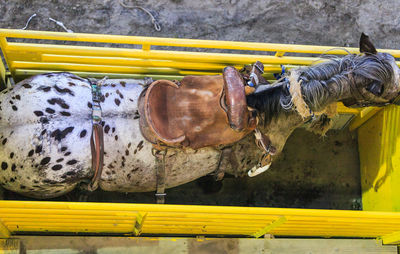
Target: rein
[{"x": 97, "y": 137}]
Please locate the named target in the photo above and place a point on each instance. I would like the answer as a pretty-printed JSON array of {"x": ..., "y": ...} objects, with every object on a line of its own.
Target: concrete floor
[{"x": 148, "y": 245}]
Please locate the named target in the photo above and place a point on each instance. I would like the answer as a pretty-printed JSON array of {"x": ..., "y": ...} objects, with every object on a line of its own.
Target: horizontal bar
[
  {"x": 123, "y": 61},
  {"x": 174, "y": 42},
  {"x": 28, "y": 73},
  {"x": 189, "y": 209},
  {"x": 17, "y": 48},
  {"x": 103, "y": 68}
]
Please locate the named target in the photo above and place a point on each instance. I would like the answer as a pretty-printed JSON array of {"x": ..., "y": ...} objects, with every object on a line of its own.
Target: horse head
[
  {"x": 373, "y": 77},
  {"x": 370, "y": 78}
]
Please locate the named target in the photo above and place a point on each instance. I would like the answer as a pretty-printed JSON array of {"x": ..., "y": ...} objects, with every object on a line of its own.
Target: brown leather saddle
[{"x": 198, "y": 111}]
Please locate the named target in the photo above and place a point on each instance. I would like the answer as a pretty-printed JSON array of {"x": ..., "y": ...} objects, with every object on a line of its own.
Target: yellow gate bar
[{"x": 109, "y": 218}]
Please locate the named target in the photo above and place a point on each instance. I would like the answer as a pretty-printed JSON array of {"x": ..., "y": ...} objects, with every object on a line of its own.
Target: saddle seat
[{"x": 199, "y": 111}]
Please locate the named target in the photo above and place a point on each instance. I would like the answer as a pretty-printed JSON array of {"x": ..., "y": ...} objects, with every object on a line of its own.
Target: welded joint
[
  {"x": 268, "y": 228},
  {"x": 4, "y": 232},
  {"x": 137, "y": 229},
  {"x": 279, "y": 53},
  {"x": 393, "y": 238}
]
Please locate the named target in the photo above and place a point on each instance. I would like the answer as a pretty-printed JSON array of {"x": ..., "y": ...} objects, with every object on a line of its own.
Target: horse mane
[
  {"x": 268, "y": 101},
  {"x": 323, "y": 83}
]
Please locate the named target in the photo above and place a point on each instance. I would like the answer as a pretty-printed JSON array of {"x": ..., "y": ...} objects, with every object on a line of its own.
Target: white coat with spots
[{"x": 45, "y": 129}]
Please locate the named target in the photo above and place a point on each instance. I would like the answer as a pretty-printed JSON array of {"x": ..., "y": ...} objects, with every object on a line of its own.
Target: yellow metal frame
[
  {"x": 143, "y": 57},
  {"x": 70, "y": 217}
]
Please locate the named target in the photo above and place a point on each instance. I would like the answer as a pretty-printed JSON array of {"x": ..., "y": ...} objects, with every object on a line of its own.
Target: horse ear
[{"x": 366, "y": 45}]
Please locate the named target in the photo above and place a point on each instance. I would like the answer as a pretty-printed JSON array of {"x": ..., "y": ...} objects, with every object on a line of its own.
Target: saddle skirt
[{"x": 197, "y": 112}]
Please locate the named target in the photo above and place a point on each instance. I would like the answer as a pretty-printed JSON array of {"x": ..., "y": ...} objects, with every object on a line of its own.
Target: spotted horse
[{"x": 46, "y": 123}]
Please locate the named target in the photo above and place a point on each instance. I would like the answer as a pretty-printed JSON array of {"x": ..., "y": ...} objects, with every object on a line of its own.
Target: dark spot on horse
[
  {"x": 83, "y": 133},
  {"x": 38, "y": 113},
  {"x": 56, "y": 167},
  {"x": 14, "y": 108},
  {"x": 43, "y": 132},
  {"x": 64, "y": 148},
  {"x": 11, "y": 102},
  {"x": 44, "y": 88},
  {"x": 110, "y": 165},
  {"x": 129, "y": 176},
  {"x": 129, "y": 145},
  {"x": 113, "y": 130},
  {"x": 140, "y": 145},
  {"x": 103, "y": 123},
  {"x": 38, "y": 149},
  {"x": 70, "y": 173},
  {"x": 135, "y": 169},
  {"x": 13, "y": 167},
  {"x": 64, "y": 90},
  {"x": 126, "y": 152},
  {"x": 120, "y": 94},
  {"x": 44, "y": 120},
  {"x": 106, "y": 129},
  {"x": 4, "y": 141},
  {"x": 12, "y": 180},
  {"x": 59, "y": 135},
  {"x": 72, "y": 162},
  {"x": 30, "y": 153},
  {"x": 123, "y": 83},
  {"x": 11, "y": 155},
  {"x": 102, "y": 98},
  {"x": 65, "y": 113},
  {"x": 60, "y": 160},
  {"x": 134, "y": 152},
  {"x": 89, "y": 105},
  {"x": 113, "y": 85},
  {"x": 60, "y": 102},
  {"x": 117, "y": 102},
  {"x": 4, "y": 165},
  {"x": 71, "y": 84},
  {"x": 27, "y": 85},
  {"x": 107, "y": 94},
  {"x": 18, "y": 97},
  {"x": 67, "y": 153},
  {"x": 50, "y": 110},
  {"x": 116, "y": 137},
  {"x": 123, "y": 158},
  {"x": 108, "y": 173},
  {"x": 136, "y": 117},
  {"x": 22, "y": 186},
  {"x": 45, "y": 160}
]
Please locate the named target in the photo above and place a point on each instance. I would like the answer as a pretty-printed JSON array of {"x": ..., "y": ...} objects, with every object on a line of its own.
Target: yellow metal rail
[
  {"x": 43, "y": 216},
  {"x": 119, "y": 56}
]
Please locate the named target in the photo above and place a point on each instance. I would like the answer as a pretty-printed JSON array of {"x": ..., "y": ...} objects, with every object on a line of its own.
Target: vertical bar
[
  {"x": 146, "y": 47},
  {"x": 3, "y": 81},
  {"x": 271, "y": 226},
  {"x": 4, "y": 232}
]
